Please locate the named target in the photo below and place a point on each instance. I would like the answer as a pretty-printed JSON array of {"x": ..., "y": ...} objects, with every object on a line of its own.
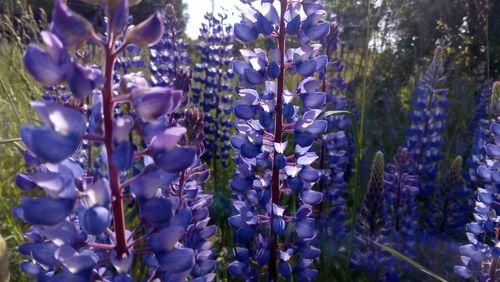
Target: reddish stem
[
  {"x": 100, "y": 246},
  {"x": 114, "y": 173},
  {"x": 278, "y": 136},
  {"x": 93, "y": 137},
  {"x": 182, "y": 180}
]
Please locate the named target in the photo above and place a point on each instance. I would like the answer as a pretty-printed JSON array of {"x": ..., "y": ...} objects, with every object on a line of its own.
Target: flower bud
[
  {"x": 120, "y": 15},
  {"x": 70, "y": 27},
  {"x": 146, "y": 33}
]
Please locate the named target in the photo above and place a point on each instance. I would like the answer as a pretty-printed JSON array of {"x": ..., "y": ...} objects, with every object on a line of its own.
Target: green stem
[{"x": 361, "y": 130}]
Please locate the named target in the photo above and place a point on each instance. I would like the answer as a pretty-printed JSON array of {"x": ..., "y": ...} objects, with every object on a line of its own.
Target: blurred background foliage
[{"x": 385, "y": 45}]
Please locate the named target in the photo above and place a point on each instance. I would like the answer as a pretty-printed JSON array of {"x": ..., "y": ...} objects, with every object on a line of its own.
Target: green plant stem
[{"x": 361, "y": 130}]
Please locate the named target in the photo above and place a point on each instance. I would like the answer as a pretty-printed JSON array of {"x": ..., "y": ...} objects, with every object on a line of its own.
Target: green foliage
[
  {"x": 16, "y": 90},
  {"x": 4, "y": 261}
]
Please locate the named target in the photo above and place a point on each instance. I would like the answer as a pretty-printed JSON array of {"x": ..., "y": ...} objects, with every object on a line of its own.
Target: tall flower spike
[
  {"x": 337, "y": 146},
  {"x": 212, "y": 87},
  {"x": 428, "y": 117},
  {"x": 268, "y": 170},
  {"x": 401, "y": 191},
  {"x": 168, "y": 56},
  {"x": 480, "y": 258},
  {"x": 371, "y": 226},
  {"x": 149, "y": 168}
]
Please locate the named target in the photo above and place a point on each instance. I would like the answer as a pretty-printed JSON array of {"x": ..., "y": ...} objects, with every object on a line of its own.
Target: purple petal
[
  {"x": 166, "y": 239},
  {"x": 176, "y": 160},
  {"x": 321, "y": 62},
  {"x": 45, "y": 211},
  {"x": 484, "y": 172},
  {"x": 244, "y": 112},
  {"x": 84, "y": 80},
  {"x": 70, "y": 27},
  {"x": 146, "y": 185},
  {"x": 253, "y": 77},
  {"x": 123, "y": 156},
  {"x": 64, "y": 233},
  {"x": 177, "y": 260},
  {"x": 41, "y": 252},
  {"x": 240, "y": 184},
  {"x": 147, "y": 33},
  {"x": 311, "y": 197},
  {"x": 493, "y": 151},
  {"x": 168, "y": 139},
  {"x": 305, "y": 228},
  {"x": 285, "y": 269},
  {"x": 120, "y": 18},
  {"x": 96, "y": 220},
  {"x": 307, "y": 68},
  {"x": 309, "y": 252},
  {"x": 99, "y": 193},
  {"x": 157, "y": 102},
  {"x": 49, "y": 145},
  {"x": 157, "y": 210},
  {"x": 318, "y": 32},
  {"x": 293, "y": 26},
  {"x": 75, "y": 262},
  {"x": 239, "y": 67},
  {"x": 30, "y": 268},
  {"x": 245, "y": 33},
  {"x": 314, "y": 101},
  {"x": 42, "y": 66},
  {"x": 309, "y": 174},
  {"x": 25, "y": 182},
  {"x": 273, "y": 70}
]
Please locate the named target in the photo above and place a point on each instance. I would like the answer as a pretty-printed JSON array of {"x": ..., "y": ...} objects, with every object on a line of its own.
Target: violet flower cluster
[
  {"x": 401, "y": 210},
  {"x": 212, "y": 88},
  {"x": 169, "y": 56},
  {"x": 274, "y": 182},
  {"x": 337, "y": 146},
  {"x": 481, "y": 256},
  {"x": 78, "y": 230},
  {"x": 428, "y": 117}
]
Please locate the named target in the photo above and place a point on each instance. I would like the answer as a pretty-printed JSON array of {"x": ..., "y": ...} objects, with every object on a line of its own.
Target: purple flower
[
  {"x": 267, "y": 168},
  {"x": 146, "y": 33},
  {"x": 148, "y": 165},
  {"x": 61, "y": 135}
]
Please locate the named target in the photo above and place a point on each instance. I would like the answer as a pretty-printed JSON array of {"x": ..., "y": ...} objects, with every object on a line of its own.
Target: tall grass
[{"x": 16, "y": 90}]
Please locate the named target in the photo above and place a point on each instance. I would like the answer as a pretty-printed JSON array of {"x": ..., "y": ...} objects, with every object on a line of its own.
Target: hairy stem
[
  {"x": 278, "y": 135},
  {"x": 114, "y": 173}
]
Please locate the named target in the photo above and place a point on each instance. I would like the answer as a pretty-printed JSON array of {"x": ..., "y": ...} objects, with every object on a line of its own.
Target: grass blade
[
  {"x": 8, "y": 141},
  {"x": 410, "y": 261}
]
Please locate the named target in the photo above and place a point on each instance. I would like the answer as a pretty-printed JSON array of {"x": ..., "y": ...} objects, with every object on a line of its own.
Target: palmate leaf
[{"x": 410, "y": 261}]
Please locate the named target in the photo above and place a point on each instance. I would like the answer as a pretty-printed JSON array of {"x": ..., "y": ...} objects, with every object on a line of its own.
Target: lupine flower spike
[
  {"x": 168, "y": 56},
  {"x": 269, "y": 172},
  {"x": 148, "y": 167},
  {"x": 428, "y": 117},
  {"x": 212, "y": 87},
  {"x": 480, "y": 258}
]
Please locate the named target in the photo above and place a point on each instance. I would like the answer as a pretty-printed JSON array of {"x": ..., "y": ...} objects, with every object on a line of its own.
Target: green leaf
[{"x": 410, "y": 261}]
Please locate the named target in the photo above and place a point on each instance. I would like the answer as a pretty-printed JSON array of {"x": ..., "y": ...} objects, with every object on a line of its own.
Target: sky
[{"x": 197, "y": 9}]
